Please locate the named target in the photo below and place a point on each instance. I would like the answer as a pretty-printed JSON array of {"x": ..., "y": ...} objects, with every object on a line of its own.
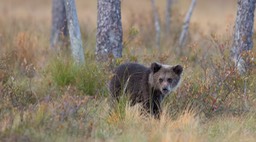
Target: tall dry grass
[{"x": 45, "y": 97}]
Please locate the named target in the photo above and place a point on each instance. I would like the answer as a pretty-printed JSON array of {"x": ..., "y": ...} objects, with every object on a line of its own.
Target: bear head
[{"x": 164, "y": 78}]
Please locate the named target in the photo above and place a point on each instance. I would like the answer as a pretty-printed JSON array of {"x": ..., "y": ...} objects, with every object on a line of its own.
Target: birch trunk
[
  {"x": 168, "y": 16},
  {"x": 243, "y": 32},
  {"x": 74, "y": 32},
  {"x": 109, "y": 30},
  {"x": 185, "y": 27},
  {"x": 157, "y": 23},
  {"x": 243, "y": 38},
  {"x": 59, "y": 24}
]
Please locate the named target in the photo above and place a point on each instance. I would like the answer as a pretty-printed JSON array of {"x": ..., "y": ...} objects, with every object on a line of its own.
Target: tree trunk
[
  {"x": 157, "y": 23},
  {"x": 243, "y": 32},
  {"x": 74, "y": 32},
  {"x": 243, "y": 38},
  {"x": 109, "y": 30},
  {"x": 59, "y": 24},
  {"x": 168, "y": 16},
  {"x": 185, "y": 27}
]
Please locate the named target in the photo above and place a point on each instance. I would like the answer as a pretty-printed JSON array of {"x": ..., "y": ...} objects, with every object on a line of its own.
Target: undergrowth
[{"x": 46, "y": 97}]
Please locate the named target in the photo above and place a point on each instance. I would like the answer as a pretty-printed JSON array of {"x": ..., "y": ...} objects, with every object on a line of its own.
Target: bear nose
[{"x": 165, "y": 89}]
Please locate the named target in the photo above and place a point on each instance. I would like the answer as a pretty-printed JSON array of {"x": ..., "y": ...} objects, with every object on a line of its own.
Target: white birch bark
[
  {"x": 185, "y": 27},
  {"x": 243, "y": 32},
  {"x": 157, "y": 23},
  {"x": 168, "y": 15},
  {"x": 74, "y": 32}
]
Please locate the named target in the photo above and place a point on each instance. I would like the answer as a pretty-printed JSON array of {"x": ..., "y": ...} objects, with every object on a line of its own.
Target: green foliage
[
  {"x": 89, "y": 78},
  {"x": 64, "y": 71}
]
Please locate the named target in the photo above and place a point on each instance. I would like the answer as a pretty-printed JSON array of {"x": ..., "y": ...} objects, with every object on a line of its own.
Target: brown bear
[{"x": 147, "y": 85}]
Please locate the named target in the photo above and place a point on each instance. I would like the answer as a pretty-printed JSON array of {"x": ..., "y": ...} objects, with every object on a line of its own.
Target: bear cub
[{"x": 146, "y": 85}]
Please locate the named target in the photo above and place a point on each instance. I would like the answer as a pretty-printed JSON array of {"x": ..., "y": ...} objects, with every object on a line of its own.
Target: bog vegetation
[{"x": 46, "y": 97}]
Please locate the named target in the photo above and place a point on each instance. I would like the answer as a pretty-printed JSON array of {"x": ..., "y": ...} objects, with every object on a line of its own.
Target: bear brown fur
[{"x": 146, "y": 85}]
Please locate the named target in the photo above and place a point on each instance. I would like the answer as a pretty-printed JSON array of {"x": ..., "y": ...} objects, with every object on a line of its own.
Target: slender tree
[
  {"x": 243, "y": 38},
  {"x": 168, "y": 15},
  {"x": 243, "y": 32},
  {"x": 74, "y": 32},
  {"x": 185, "y": 27},
  {"x": 59, "y": 23},
  {"x": 157, "y": 23},
  {"x": 109, "y": 30}
]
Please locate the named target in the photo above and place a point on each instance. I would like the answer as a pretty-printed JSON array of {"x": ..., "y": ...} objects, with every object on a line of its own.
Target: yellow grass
[{"x": 43, "y": 108}]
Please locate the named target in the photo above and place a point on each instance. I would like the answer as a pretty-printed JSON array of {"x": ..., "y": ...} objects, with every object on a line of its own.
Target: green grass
[
  {"x": 66, "y": 102},
  {"x": 90, "y": 78},
  {"x": 64, "y": 72}
]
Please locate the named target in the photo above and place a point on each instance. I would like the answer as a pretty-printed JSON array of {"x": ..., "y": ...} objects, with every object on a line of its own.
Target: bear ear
[
  {"x": 178, "y": 69},
  {"x": 155, "y": 67}
]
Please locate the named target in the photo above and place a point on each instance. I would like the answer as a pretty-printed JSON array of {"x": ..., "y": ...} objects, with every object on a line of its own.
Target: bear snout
[{"x": 165, "y": 90}]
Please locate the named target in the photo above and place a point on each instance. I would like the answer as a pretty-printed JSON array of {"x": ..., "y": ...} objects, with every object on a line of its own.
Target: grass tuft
[{"x": 63, "y": 72}]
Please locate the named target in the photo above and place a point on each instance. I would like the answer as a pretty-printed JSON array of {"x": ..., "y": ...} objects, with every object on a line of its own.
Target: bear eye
[
  {"x": 169, "y": 80},
  {"x": 161, "y": 80}
]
